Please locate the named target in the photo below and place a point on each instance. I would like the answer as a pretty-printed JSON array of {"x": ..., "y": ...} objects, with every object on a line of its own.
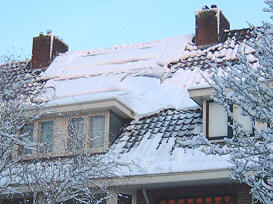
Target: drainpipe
[{"x": 145, "y": 196}]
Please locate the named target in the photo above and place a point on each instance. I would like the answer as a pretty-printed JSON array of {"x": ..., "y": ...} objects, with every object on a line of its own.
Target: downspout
[{"x": 145, "y": 196}]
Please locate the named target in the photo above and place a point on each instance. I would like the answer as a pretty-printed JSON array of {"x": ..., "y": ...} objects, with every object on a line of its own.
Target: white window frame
[
  {"x": 39, "y": 136},
  {"x": 84, "y": 131},
  {"x": 208, "y": 119},
  {"x": 245, "y": 121},
  {"x": 61, "y": 143},
  {"x": 87, "y": 131}
]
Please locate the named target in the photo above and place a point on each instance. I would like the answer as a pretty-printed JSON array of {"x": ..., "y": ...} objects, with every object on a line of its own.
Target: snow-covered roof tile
[
  {"x": 158, "y": 147},
  {"x": 165, "y": 122},
  {"x": 21, "y": 71},
  {"x": 194, "y": 57}
]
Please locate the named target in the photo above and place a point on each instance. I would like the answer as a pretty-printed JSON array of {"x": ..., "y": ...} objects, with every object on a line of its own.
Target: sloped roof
[
  {"x": 153, "y": 144},
  {"x": 169, "y": 123},
  {"x": 227, "y": 50},
  {"x": 21, "y": 73},
  {"x": 132, "y": 74},
  {"x": 152, "y": 79}
]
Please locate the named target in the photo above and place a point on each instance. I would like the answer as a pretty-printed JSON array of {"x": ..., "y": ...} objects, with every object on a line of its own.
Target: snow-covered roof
[
  {"x": 146, "y": 77},
  {"x": 226, "y": 51},
  {"x": 153, "y": 144},
  {"x": 133, "y": 74},
  {"x": 152, "y": 79},
  {"x": 21, "y": 71}
]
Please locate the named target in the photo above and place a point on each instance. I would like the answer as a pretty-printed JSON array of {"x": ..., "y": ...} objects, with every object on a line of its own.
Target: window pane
[
  {"x": 97, "y": 130},
  {"x": 218, "y": 200},
  {"x": 76, "y": 134},
  {"x": 27, "y": 133},
  {"x": 190, "y": 201},
  {"x": 199, "y": 201},
  {"x": 218, "y": 120},
  {"x": 209, "y": 200},
  {"x": 163, "y": 202},
  {"x": 171, "y": 201},
  {"x": 244, "y": 120},
  {"x": 46, "y": 136},
  {"x": 181, "y": 201}
]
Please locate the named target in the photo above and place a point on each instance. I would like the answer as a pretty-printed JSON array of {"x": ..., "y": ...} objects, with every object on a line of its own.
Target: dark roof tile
[
  {"x": 195, "y": 57},
  {"x": 20, "y": 72},
  {"x": 166, "y": 124}
]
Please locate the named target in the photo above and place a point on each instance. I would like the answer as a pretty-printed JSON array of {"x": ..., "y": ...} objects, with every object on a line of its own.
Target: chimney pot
[
  {"x": 213, "y": 6},
  {"x": 205, "y": 7}
]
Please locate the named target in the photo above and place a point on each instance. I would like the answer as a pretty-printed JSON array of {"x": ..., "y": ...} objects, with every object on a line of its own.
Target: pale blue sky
[{"x": 87, "y": 24}]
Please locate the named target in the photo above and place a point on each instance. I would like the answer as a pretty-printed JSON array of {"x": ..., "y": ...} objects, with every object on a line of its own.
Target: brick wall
[
  {"x": 207, "y": 31},
  {"x": 239, "y": 192},
  {"x": 44, "y": 51}
]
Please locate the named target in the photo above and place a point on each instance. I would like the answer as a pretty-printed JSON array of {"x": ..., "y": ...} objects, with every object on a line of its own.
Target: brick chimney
[
  {"x": 210, "y": 24},
  {"x": 45, "y": 48}
]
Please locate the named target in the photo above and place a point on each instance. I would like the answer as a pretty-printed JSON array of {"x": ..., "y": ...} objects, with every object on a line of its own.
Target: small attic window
[
  {"x": 244, "y": 120},
  {"x": 217, "y": 121}
]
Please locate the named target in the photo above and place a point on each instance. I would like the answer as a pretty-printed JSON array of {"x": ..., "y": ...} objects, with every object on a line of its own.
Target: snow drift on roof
[
  {"x": 77, "y": 64},
  {"x": 132, "y": 74}
]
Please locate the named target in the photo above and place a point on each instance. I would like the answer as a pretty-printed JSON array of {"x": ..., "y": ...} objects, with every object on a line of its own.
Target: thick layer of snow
[
  {"x": 125, "y": 59},
  {"x": 133, "y": 74},
  {"x": 142, "y": 94},
  {"x": 147, "y": 159}
]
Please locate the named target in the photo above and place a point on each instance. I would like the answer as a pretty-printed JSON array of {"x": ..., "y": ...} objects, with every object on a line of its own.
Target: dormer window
[
  {"x": 27, "y": 132},
  {"x": 87, "y": 132},
  {"x": 217, "y": 121},
  {"x": 76, "y": 135},
  {"x": 97, "y": 131},
  {"x": 245, "y": 121},
  {"x": 46, "y": 136},
  {"x": 215, "y": 117},
  {"x": 87, "y": 128}
]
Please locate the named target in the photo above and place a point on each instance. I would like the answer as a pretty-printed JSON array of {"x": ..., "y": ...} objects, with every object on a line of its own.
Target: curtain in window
[{"x": 97, "y": 131}]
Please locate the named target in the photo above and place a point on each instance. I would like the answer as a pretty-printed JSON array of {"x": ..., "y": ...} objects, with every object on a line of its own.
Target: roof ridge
[
  {"x": 97, "y": 51},
  {"x": 15, "y": 62}
]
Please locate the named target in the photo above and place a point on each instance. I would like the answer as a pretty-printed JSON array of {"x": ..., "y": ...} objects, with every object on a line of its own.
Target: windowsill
[{"x": 52, "y": 155}]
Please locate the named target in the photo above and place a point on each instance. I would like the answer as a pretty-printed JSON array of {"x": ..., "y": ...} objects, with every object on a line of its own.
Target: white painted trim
[
  {"x": 173, "y": 177},
  {"x": 201, "y": 94},
  {"x": 112, "y": 104},
  {"x": 208, "y": 91}
]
